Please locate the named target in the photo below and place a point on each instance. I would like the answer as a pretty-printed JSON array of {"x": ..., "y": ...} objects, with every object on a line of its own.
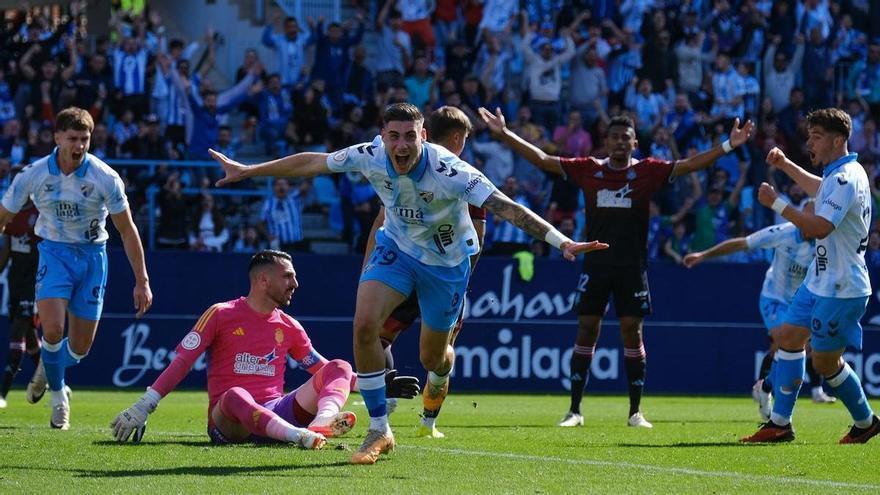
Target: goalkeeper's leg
[
  {"x": 237, "y": 415},
  {"x": 319, "y": 401}
]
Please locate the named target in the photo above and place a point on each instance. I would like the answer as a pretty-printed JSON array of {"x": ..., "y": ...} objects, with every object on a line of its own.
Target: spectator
[
  {"x": 276, "y": 109},
  {"x": 864, "y": 80},
  {"x": 818, "y": 79},
  {"x": 496, "y": 160},
  {"x": 544, "y": 77},
  {"x": 729, "y": 89},
  {"x": 589, "y": 87},
  {"x": 660, "y": 61},
  {"x": 290, "y": 48},
  {"x": 309, "y": 127},
  {"x": 360, "y": 204},
  {"x": 505, "y": 237},
  {"x": 331, "y": 55},
  {"x": 416, "y": 17},
  {"x": 394, "y": 50},
  {"x": 677, "y": 246},
  {"x": 624, "y": 60},
  {"x": 361, "y": 85},
  {"x": 281, "y": 218},
  {"x": 867, "y": 142},
  {"x": 691, "y": 59},
  {"x": 173, "y": 217},
  {"x": 780, "y": 73},
  {"x": 682, "y": 122},
  {"x": 130, "y": 75},
  {"x": 248, "y": 241},
  {"x": 872, "y": 255},
  {"x": 148, "y": 143},
  {"x": 716, "y": 217},
  {"x": 420, "y": 84},
  {"x": 102, "y": 144},
  {"x": 209, "y": 232},
  {"x": 649, "y": 108},
  {"x": 571, "y": 139}
]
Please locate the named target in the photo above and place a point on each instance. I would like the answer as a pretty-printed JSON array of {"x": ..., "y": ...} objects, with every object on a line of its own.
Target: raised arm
[
  {"x": 721, "y": 249},
  {"x": 808, "y": 182},
  {"x": 812, "y": 226},
  {"x": 537, "y": 227},
  {"x": 298, "y": 165},
  {"x": 738, "y": 136},
  {"x": 520, "y": 146}
]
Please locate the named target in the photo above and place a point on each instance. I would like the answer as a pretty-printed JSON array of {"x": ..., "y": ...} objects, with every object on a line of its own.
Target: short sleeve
[
  {"x": 17, "y": 194},
  {"x": 117, "y": 202},
  {"x": 578, "y": 170},
  {"x": 467, "y": 182},
  {"x": 352, "y": 159},
  {"x": 835, "y": 198},
  {"x": 773, "y": 236},
  {"x": 661, "y": 171}
]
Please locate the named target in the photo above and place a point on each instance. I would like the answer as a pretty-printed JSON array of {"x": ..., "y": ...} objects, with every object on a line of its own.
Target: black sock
[
  {"x": 635, "y": 375},
  {"x": 815, "y": 378},
  {"x": 766, "y": 386},
  {"x": 580, "y": 374},
  {"x": 766, "y": 364},
  {"x": 13, "y": 362}
]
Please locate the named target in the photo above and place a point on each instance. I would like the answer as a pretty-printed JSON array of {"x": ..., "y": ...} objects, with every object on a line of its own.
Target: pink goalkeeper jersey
[{"x": 246, "y": 349}]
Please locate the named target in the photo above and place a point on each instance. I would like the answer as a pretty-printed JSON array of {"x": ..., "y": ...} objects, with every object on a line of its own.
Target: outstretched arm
[
  {"x": 738, "y": 136},
  {"x": 298, "y": 165},
  {"x": 520, "y": 146},
  {"x": 537, "y": 227},
  {"x": 721, "y": 249}
]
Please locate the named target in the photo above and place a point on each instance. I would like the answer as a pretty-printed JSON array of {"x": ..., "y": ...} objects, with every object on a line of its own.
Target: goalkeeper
[{"x": 249, "y": 339}]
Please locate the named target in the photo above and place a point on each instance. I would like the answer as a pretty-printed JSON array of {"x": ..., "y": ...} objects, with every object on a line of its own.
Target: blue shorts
[
  {"x": 833, "y": 323},
  {"x": 773, "y": 312},
  {"x": 440, "y": 289},
  {"x": 75, "y": 272}
]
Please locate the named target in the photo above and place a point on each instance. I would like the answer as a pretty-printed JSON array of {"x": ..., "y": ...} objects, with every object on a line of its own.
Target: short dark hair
[
  {"x": 446, "y": 120},
  {"x": 832, "y": 120},
  {"x": 622, "y": 121},
  {"x": 267, "y": 257},
  {"x": 175, "y": 43},
  {"x": 405, "y": 112},
  {"x": 74, "y": 118}
]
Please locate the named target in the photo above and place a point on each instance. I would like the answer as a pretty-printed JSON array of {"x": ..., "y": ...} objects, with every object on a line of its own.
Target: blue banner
[{"x": 705, "y": 335}]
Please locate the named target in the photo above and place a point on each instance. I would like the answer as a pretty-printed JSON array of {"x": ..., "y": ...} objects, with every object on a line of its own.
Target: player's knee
[
  {"x": 433, "y": 361},
  {"x": 340, "y": 366},
  {"x": 366, "y": 331},
  {"x": 826, "y": 365},
  {"x": 234, "y": 395}
]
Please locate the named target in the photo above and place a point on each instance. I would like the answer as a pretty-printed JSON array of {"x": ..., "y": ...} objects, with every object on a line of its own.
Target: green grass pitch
[{"x": 493, "y": 444}]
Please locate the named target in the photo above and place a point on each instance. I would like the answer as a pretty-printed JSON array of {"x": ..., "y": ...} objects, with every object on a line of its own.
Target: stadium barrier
[{"x": 705, "y": 336}]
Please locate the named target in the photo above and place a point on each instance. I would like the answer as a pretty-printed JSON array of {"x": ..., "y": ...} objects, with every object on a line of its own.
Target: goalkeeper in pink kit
[{"x": 249, "y": 340}]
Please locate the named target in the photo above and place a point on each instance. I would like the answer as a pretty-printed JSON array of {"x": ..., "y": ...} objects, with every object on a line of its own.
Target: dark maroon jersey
[
  {"x": 617, "y": 205},
  {"x": 20, "y": 229}
]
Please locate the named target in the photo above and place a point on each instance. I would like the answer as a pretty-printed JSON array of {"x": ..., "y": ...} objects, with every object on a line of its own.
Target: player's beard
[{"x": 282, "y": 299}]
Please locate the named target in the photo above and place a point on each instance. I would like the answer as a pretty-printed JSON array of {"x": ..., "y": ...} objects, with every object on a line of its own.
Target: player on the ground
[
  {"x": 249, "y": 339},
  {"x": 74, "y": 191},
  {"x": 617, "y": 193},
  {"x": 20, "y": 251},
  {"x": 827, "y": 307},
  {"x": 449, "y": 127},
  {"x": 792, "y": 255},
  {"x": 425, "y": 244}
]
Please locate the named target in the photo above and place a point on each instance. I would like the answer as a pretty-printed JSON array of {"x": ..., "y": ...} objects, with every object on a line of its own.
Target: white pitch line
[{"x": 763, "y": 479}]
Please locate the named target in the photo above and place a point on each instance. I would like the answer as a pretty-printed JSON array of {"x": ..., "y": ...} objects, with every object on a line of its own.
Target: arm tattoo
[{"x": 517, "y": 214}]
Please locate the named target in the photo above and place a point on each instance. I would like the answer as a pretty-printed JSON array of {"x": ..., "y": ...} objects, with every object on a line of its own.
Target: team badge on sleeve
[
  {"x": 191, "y": 341},
  {"x": 340, "y": 155}
]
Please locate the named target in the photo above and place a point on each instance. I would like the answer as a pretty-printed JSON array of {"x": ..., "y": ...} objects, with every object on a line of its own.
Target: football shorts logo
[
  {"x": 41, "y": 273},
  {"x": 191, "y": 341},
  {"x": 817, "y": 325}
]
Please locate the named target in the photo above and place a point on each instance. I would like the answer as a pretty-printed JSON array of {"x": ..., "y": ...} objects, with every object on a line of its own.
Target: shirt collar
[
  {"x": 416, "y": 173},
  {"x": 851, "y": 157},
  {"x": 54, "y": 169}
]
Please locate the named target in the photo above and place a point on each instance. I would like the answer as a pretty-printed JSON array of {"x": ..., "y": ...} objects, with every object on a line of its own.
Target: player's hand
[
  {"x": 131, "y": 422},
  {"x": 739, "y": 135},
  {"x": 401, "y": 387},
  {"x": 693, "y": 259},
  {"x": 767, "y": 195},
  {"x": 143, "y": 298},
  {"x": 570, "y": 250},
  {"x": 776, "y": 158},
  {"x": 495, "y": 122},
  {"x": 234, "y": 171}
]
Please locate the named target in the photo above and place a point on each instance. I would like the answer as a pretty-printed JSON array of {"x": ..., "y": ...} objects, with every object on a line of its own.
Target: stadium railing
[{"x": 153, "y": 191}]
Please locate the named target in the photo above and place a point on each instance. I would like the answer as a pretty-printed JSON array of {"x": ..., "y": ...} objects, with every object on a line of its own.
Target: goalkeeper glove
[
  {"x": 132, "y": 422},
  {"x": 404, "y": 387}
]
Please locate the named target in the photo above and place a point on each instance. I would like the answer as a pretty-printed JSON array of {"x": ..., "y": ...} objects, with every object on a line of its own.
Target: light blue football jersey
[
  {"x": 791, "y": 258},
  {"x": 426, "y": 211},
  {"x": 73, "y": 208}
]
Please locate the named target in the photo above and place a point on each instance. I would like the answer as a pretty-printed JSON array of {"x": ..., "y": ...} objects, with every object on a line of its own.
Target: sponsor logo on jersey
[
  {"x": 821, "y": 259},
  {"x": 607, "y": 198},
  {"x": 443, "y": 237},
  {"x": 65, "y": 210},
  {"x": 472, "y": 184},
  {"x": 410, "y": 215},
  {"x": 249, "y": 364},
  {"x": 832, "y": 204}
]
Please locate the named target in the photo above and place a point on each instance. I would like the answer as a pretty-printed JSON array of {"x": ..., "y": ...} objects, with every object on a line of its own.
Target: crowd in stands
[{"x": 684, "y": 70}]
